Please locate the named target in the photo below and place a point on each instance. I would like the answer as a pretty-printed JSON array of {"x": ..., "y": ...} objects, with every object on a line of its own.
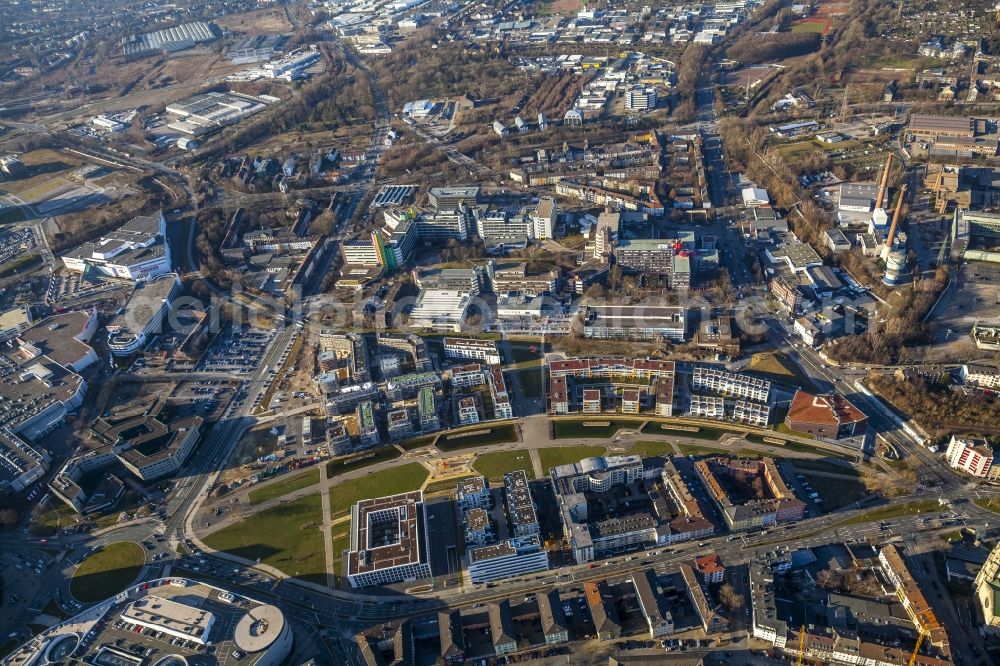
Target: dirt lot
[
  {"x": 41, "y": 167},
  {"x": 258, "y": 22},
  {"x": 254, "y": 444}
]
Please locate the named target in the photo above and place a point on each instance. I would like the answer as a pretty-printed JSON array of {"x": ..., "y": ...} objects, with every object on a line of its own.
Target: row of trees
[
  {"x": 933, "y": 403},
  {"x": 768, "y": 47},
  {"x": 890, "y": 338}
]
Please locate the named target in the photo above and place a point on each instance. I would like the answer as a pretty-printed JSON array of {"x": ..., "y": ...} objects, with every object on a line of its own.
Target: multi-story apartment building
[
  {"x": 473, "y": 493},
  {"x": 520, "y": 506},
  {"x": 971, "y": 455},
  {"x": 707, "y": 407},
  {"x": 472, "y": 349},
  {"x": 730, "y": 384}
]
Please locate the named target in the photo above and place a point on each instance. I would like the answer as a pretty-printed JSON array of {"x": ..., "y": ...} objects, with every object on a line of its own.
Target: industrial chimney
[
  {"x": 895, "y": 218},
  {"x": 882, "y": 184}
]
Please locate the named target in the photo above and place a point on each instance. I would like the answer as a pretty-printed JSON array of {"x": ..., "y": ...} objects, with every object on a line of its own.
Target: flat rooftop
[{"x": 387, "y": 533}]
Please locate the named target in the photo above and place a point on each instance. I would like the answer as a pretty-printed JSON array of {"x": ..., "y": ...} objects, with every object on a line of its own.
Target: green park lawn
[
  {"x": 107, "y": 571},
  {"x": 285, "y": 486},
  {"x": 497, "y": 463},
  {"x": 286, "y": 537},
  {"x": 378, "y": 484}
]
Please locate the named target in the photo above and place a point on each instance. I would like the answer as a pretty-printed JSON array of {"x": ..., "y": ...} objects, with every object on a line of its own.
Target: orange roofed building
[{"x": 829, "y": 416}]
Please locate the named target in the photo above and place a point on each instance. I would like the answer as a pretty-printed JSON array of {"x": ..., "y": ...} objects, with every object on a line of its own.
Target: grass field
[
  {"x": 484, "y": 436},
  {"x": 836, "y": 493},
  {"x": 563, "y": 455},
  {"x": 417, "y": 442},
  {"x": 286, "y": 537},
  {"x": 647, "y": 447},
  {"x": 494, "y": 465},
  {"x": 378, "y": 484},
  {"x": 785, "y": 430},
  {"x": 569, "y": 429},
  {"x": 990, "y": 504},
  {"x": 522, "y": 352},
  {"x": 56, "y": 515},
  {"x": 775, "y": 365},
  {"x": 11, "y": 215},
  {"x": 107, "y": 571},
  {"x": 894, "y": 511},
  {"x": 703, "y": 432},
  {"x": 21, "y": 264},
  {"x": 285, "y": 486},
  {"x": 808, "y": 26},
  {"x": 335, "y": 467},
  {"x": 532, "y": 384}
]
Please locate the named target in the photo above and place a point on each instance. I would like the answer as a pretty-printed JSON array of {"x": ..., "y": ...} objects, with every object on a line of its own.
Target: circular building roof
[
  {"x": 172, "y": 660},
  {"x": 259, "y": 628},
  {"x": 588, "y": 465},
  {"x": 60, "y": 648}
]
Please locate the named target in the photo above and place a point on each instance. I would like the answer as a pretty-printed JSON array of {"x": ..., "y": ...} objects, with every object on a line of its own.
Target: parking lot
[
  {"x": 16, "y": 242},
  {"x": 237, "y": 351},
  {"x": 70, "y": 286}
]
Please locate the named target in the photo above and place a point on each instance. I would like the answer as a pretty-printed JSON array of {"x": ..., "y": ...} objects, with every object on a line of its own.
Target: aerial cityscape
[{"x": 426, "y": 332}]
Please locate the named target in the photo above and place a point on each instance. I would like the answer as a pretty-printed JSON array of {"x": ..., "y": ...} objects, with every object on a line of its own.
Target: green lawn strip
[
  {"x": 531, "y": 381},
  {"x": 107, "y": 571},
  {"x": 285, "y": 486},
  {"x": 693, "y": 450},
  {"x": 554, "y": 456},
  {"x": 286, "y": 537},
  {"x": 647, "y": 448},
  {"x": 56, "y": 515},
  {"x": 341, "y": 541},
  {"x": 418, "y": 442},
  {"x": 989, "y": 504},
  {"x": 446, "y": 484},
  {"x": 497, "y": 463},
  {"x": 377, "y": 484},
  {"x": 346, "y": 464},
  {"x": 602, "y": 428},
  {"x": 481, "y": 435},
  {"x": 682, "y": 430},
  {"x": 20, "y": 265},
  {"x": 894, "y": 511},
  {"x": 785, "y": 430}
]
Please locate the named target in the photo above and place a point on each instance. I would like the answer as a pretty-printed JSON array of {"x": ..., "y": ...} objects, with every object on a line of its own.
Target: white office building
[
  {"x": 440, "y": 310},
  {"x": 136, "y": 251},
  {"x": 143, "y": 315},
  {"x": 514, "y": 557}
]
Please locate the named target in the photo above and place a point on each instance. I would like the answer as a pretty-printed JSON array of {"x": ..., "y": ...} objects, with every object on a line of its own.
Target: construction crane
[
  {"x": 916, "y": 649},
  {"x": 802, "y": 646}
]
